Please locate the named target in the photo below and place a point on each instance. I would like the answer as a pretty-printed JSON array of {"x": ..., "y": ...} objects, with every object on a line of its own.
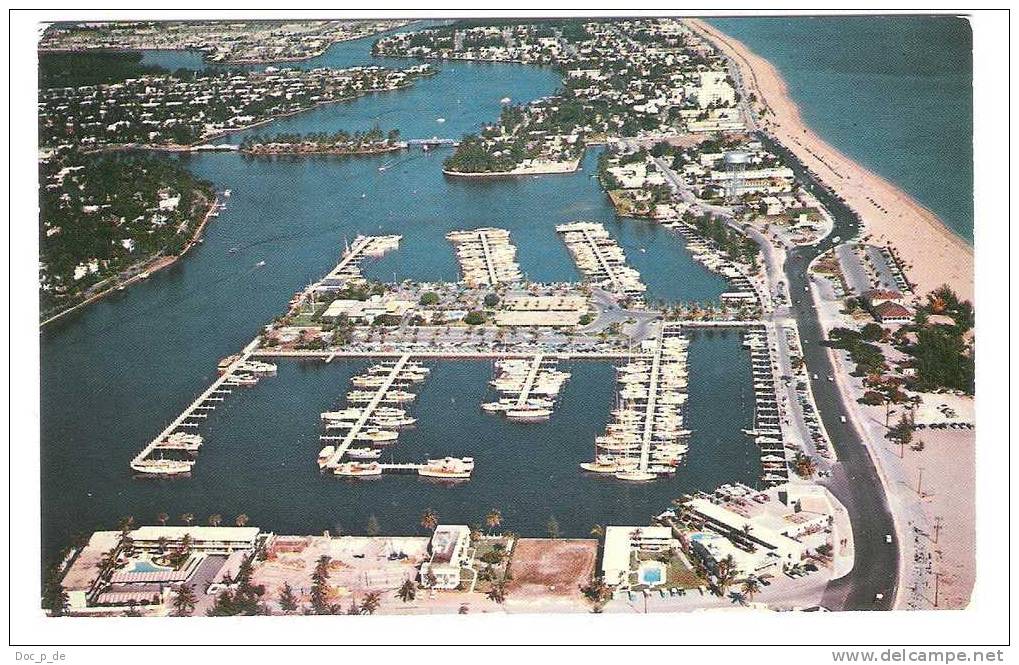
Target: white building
[{"x": 449, "y": 548}]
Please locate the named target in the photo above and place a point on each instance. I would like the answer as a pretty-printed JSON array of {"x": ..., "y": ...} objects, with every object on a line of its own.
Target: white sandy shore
[{"x": 933, "y": 254}]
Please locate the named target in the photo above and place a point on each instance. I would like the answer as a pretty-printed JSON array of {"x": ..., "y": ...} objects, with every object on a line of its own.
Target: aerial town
[{"x": 858, "y": 360}]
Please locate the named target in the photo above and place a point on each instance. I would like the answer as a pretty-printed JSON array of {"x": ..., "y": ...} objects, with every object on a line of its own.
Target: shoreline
[
  {"x": 553, "y": 168},
  {"x": 324, "y": 152},
  {"x": 889, "y": 215},
  {"x": 244, "y": 62},
  {"x": 149, "y": 268}
]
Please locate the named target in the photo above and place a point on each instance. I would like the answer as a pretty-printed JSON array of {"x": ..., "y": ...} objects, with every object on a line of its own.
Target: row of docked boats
[
  {"x": 767, "y": 430},
  {"x": 600, "y": 259},
  {"x": 486, "y": 256},
  {"x": 711, "y": 256},
  {"x": 647, "y": 437},
  {"x": 444, "y": 468},
  {"x": 527, "y": 388},
  {"x": 373, "y": 417},
  {"x": 175, "y": 450}
]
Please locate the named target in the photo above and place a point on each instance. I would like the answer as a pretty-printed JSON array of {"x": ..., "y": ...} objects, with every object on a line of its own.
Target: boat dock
[
  {"x": 601, "y": 259},
  {"x": 366, "y": 411},
  {"x": 528, "y": 388},
  {"x": 348, "y": 269},
  {"x": 647, "y": 438},
  {"x": 767, "y": 430},
  {"x": 487, "y": 257},
  {"x": 241, "y": 371}
]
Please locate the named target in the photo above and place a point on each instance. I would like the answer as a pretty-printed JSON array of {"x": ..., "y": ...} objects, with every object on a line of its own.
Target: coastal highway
[{"x": 854, "y": 480}]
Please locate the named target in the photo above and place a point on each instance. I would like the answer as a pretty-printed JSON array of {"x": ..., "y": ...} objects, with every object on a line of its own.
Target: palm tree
[
  {"x": 371, "y": 602},
  {"x": 215, "y": 519},
  {"x": 498, "y": 591},
  {"x": 725, "y": 574},
  {"x": 162, "y": 518},
  {"x": 429, "y": 519},
  {"x": 126, "y": 524},
  {"x": 750, "y": 586},
  {"x": 407, "y": 591},
  {"x": 597, "y": 593},
  {"x": 494, "y": 518},
  {"x": 287, "y": 600},
  {"x": 184, "y": 602},
  {"x": 804, "y": 465},
  {"x": 241, "y": 520},
  {"x": 187, "y": 518}
]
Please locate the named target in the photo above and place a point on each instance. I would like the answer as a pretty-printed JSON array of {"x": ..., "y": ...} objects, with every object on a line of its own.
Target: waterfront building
[
  {"x": 622, "y": 543},
  {"x": 449, "y": 553},
  {"x": 208, "y": 539}
]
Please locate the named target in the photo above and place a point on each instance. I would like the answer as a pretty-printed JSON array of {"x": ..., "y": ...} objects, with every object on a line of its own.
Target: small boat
[
  {"x": 260, "y": 264},
  {"x": 635, "y": 475},
  {"x": 394, "y": 422},
  {"x": 344, "y": 414},
  {"x": 363, "y": 453},
  {"x": 501, "y": 405},
  {"x": 505, "y": 100},
  {"x": 233, "y": 250},
  {"x": 325, "y": 454},
  {"x": 440, "y": 120},
  {"x": 377, "y": 436},
  {"x": 162, "y": 467},
  {"x": 607, "y": 466},
  {"x": 226, "y": 193},
  {"x": 448, "y": 467},
  {"x": 358, "y": 469},
  {"x": 529, "y": 415}
]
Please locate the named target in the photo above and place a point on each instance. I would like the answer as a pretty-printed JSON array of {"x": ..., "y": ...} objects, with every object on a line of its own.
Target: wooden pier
[
  {"x": 622, "y": 279},
  {"x": 525, "y": 392},
  {"x": 348, "y": 269},
  {"x": 211, "y": 394},
  {"x": 366, "y": 412},
  {"x": 652, "y": 398}
]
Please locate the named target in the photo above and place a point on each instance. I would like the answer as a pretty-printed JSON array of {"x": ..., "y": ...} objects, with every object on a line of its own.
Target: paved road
[{"x": 854, "y": 480}]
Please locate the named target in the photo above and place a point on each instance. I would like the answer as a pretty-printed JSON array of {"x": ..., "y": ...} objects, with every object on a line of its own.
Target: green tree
[
  {"x": 320, "y": 588},
  {"x": 287, "y": 599},
  {"x": 407, "y": 591},
  {"x": 184, "y": 601},
  {"x": 429, "y": 519}
]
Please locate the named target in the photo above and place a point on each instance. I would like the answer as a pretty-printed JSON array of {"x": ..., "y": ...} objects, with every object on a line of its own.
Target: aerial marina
[
  {"x": 487, "y": 257},
  {"x": 601, "y": 259},
  {"x": 581, "y": 329}
]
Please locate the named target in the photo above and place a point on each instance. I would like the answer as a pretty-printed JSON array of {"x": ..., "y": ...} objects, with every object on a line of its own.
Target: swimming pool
[
  {"x": 147, "y": 567},
  {"x": 651, "y": 573}
]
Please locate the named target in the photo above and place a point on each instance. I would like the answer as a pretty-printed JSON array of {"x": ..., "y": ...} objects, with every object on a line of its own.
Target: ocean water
[
  {"x": 114, "y": 374},
  {"x": 895, "y": 93}
]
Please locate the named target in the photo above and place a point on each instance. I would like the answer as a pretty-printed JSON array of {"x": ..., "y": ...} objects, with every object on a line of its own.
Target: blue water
[
  {"x": 892, "y": 92},
  {"x": 651, "y": 575},
  {"x": 114, "y": 374},
  {"x": 146, "y": 567}
]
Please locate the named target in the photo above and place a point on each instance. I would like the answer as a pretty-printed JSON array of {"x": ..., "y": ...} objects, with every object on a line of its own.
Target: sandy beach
[{"x": 932, "y": 253}]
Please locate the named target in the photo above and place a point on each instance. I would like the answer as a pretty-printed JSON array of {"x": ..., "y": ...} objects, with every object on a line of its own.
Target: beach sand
[
  {"x": 932, "y": 253},
  {"x": 948, "y": 463}
]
